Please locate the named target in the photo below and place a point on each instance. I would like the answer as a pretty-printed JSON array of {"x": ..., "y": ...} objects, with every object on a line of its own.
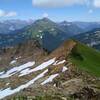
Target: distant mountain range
[
  {"x": 87, "y": 26},
  {"x": 72, "y": 28},
  {"x": 7, "y": 26},
  {"x": 48, "y": 33},
  {"x": 9, "y": 40},
  {"x": 91, "y": 38}
]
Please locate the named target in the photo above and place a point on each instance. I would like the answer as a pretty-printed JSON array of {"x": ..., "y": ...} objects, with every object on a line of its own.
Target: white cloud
[
  {"x": 56, "y": 3},
  {"x": 63, "y": 3},
  {"x": 7, "y": 14},
  {"x": 45, "y": 15},
  {"x": 10, "y": 14},
  {"x": 89, "y": 3},
  {"x": 96, "y": 3}
]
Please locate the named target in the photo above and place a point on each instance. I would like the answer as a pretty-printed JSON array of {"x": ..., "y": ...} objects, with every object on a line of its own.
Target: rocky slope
[{"x": 28, "y": 71}]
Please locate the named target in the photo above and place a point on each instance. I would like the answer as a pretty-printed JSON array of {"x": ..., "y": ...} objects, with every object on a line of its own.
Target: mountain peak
[
  {"x": 44, "y": 20},
  {"x": 64, "y": 21}
]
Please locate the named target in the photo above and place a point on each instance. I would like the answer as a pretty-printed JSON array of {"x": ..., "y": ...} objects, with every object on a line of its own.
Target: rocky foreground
[{"x": 28, "y": 72}]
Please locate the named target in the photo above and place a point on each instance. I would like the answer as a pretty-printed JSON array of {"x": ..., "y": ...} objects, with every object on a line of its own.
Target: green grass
[{"x": 86, "y": 58}]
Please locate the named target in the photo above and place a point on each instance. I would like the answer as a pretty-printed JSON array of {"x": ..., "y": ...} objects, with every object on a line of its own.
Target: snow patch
[
  {"x": 41, "y": 37},
  {"x": 18, "y": 58},
  {"x": 7, "y": 92},
  {"x": 1, "y": 73},
  {"x": 40, "y": 31},
  {"x": 50, "y": 79},
  {"x": 44, "y": 65},
  {"x": 7, "y": 84},
  {"x": 24, "y": 72},
  {"x": 16, "y": 69},
  {"x": 58, "y": 63},
  {"x": 40, "y": 67},
  {"x": 13, "y": 62},
  {"x": 64, "y": 69},
  {"x": 52, "y": 29}
]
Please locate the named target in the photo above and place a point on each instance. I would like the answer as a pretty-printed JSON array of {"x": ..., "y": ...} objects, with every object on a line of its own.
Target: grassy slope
[{"x": 86, "y": 58}]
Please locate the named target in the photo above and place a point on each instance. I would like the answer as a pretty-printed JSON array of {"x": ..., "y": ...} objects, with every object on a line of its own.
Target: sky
[{"x": 57, "y": 10}]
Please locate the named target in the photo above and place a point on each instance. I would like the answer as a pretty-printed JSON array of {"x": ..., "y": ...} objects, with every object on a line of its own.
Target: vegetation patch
[{"x": 86, "y": 58}]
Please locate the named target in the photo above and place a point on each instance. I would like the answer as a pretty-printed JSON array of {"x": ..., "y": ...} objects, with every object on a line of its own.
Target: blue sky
[{"x": 57, "y": 10}]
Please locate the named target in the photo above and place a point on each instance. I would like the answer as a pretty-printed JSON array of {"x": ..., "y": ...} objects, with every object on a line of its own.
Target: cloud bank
[
  {"x": 7, "y": 14},
  {"x": 56, "y": 3},
  {"x": 97, "y": 3},
  {"x": 63, "y": 3}
]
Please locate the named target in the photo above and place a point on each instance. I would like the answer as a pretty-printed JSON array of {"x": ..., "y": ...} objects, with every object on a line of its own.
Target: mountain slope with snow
[{"x": 34, "y": 72}]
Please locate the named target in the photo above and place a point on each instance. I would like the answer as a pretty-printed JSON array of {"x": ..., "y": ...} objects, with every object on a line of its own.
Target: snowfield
[
  {"x": 6, "y": 92},
  {"x": 40, "y": 67},
  {"x": 26, "y": 69},
  {"x": 50, "y": 79},
  {"x": 16, "y": 69}
]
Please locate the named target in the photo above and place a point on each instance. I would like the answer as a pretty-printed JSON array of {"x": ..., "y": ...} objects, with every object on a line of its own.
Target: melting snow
[
  {"x": 1, "y": 73},
  {"x": 52, "y": 29},
  {"x": 24, "y": 69},
  {"x": 24, "y": 72},
  {"x": 18, "y": 58},
  {"x": 49, "y": 79},
  {"x": 44, "y": 65},
  {"x": 7, "y": 84},
  {"x": 58, "y": 63},
  {"x": 13, "y": 62},
  {"x": 7, "y": 92},
  {"x": 64, "y": 69},
  {"x": 40, "y": 31},
  {"x": 40, "y": 67},
  {"x": 16, "y": 69},
  {"x": 41, "y": 37}
]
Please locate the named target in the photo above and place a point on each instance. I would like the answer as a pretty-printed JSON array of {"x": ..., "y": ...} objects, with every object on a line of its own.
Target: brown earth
[{"x": 73, "y": 83}]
